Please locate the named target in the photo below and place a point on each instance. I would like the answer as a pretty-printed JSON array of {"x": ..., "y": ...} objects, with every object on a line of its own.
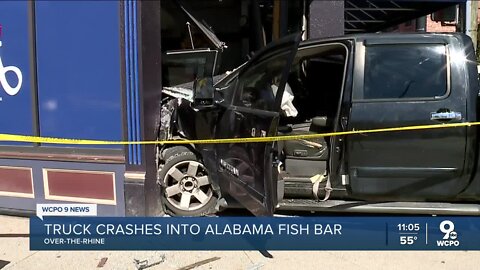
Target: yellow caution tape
[{"x": 36, "y": 139}]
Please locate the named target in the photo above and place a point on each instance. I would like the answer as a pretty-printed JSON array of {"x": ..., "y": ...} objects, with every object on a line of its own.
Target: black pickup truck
[{"x": 356, "y": 82}]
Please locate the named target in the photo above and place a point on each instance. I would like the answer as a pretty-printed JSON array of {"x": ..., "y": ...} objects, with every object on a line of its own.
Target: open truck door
[{"x": 246, "y": 170}]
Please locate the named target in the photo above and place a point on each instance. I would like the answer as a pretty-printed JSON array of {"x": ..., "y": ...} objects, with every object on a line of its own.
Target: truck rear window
[{"x": 405, "y": 71}]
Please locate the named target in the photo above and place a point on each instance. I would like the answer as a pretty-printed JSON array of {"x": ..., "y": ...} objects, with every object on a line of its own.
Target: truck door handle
[
  {"x": 239, "y": 116},
  {"x": 444, "y": 115},
  {"x": 344, "y": 122}
]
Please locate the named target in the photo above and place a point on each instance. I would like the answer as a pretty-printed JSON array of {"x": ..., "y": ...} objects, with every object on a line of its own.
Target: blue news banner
[{"x": 252, "y": 233}]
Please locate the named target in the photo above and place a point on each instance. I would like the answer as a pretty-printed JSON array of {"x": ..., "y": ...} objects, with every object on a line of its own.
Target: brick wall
[
  {"x": 438, "y": 27},
  {"x": 431, "y": 26}
]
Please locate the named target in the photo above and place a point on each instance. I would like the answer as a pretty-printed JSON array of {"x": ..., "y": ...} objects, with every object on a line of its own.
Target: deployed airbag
[{"x": 287, "y": 101}]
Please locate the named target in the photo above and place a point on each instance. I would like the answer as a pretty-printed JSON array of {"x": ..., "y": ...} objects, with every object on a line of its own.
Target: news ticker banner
[{"x": 255, "y": 233}]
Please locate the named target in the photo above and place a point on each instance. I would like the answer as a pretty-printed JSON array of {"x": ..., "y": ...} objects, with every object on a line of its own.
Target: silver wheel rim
[{"x": 187, "y": 186}]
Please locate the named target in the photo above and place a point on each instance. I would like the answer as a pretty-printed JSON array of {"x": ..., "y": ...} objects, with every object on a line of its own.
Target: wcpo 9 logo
[
  {"x": 12, "y": 83},
  {"x": 450, "y": 236}
]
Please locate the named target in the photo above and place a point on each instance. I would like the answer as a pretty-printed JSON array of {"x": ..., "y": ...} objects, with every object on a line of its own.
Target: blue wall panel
[
  {"x": 78, "y": 61},
  {"x": 132, "y": 81},
  {"x": 15, "y": 90}
]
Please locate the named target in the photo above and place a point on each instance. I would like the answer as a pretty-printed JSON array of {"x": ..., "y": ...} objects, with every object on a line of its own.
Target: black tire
[{"x": 180, "y": 157}]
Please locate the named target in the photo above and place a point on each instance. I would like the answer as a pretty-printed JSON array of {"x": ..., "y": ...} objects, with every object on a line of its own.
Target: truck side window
[
  {"x": 255, "y": 89},
  {"x": 405, "y": 71}
]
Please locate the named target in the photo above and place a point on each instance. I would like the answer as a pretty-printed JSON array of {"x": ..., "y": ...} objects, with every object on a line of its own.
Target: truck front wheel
[{"x": 187, "y": 188}]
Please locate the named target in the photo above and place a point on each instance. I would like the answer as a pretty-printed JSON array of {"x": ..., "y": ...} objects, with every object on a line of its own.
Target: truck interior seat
[
  {"x": 306, "y": 157},
  {"x": 313, "y": 149}
]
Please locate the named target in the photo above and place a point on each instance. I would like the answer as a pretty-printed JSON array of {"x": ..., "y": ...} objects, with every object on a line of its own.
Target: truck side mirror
[{"x": 203, "y": 93}]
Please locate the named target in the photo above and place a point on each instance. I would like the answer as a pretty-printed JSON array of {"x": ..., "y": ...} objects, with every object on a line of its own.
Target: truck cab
[{"x": 323, "y": 88}]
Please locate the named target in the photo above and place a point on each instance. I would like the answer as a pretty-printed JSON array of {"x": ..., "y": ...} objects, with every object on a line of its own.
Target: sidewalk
[{"x": 16, "y": 252}]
